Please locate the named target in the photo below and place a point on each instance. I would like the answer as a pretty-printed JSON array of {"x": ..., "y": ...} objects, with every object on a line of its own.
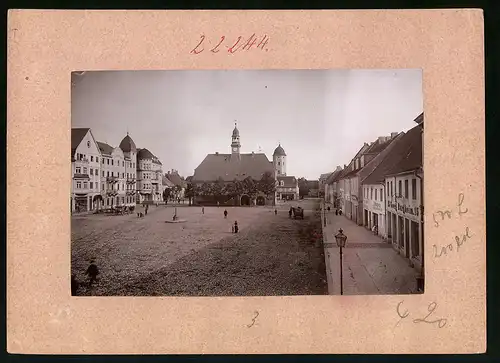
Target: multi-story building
[
  {"x": 149, "y": 177},
  {"x": 178, "y": 183},
  {"x": 129, "y": 149},
  {"x": 287, "y": 188},
  {"x": 330, "y": 185},
  {"x": 85, "y": 170}
]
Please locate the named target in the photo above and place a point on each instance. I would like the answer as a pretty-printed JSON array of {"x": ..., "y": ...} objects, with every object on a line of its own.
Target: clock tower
[{"x": 235, "y": 141}]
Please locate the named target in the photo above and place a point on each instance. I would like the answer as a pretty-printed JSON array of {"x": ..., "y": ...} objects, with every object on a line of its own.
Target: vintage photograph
[{"x": 247, "y": 182}]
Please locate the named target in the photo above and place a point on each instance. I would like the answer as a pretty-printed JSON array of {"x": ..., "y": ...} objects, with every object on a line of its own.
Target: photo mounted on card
[{"x": 251, "y": 192}]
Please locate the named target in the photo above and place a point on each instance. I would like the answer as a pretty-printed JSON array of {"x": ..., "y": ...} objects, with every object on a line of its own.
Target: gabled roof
[
  {"x": 332, "y": 177},
  {"x": 406, "y": 154},
  {"x": 288, "y": 181},
  {"x": 77, "y": 135},
  {"x": 325, "y": 176},
  {"x": 106, "y": 149},
  {"x": 230, "y": 167},
  {"x": 167, "y": 183},
  {"x": 375, "y": 148},
  {"x": 175, "y": 179}
]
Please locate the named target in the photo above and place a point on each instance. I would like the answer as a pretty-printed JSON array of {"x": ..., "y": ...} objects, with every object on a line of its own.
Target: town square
[{"x": 246, "y": 203}]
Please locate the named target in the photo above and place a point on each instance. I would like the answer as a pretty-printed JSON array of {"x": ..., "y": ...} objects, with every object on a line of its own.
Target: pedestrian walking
[
  {"x": 225, "y": 213},
  {"x": 217, "y": 204},
  {"x": 92, "y": 272},
  {"x": 235, "y": 226},
  {"x": 146, "y": 209},
  {"x": 336, "y": 212},
  {"x": 290, "y": 212},
  {"x": 275, "y": 211},
  {"x": 202, "y": 210},
  {"x": 328, "y": 208},
  {"x": 340, "y": 212}
]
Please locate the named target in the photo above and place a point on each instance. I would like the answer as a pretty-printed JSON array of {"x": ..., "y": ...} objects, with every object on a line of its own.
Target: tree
[
  {"x": 190, "y": 192},
  {"x": 217, "y": 188},
  {"x": 205, "y": 189},
  {"x": 267, "y": 184},
  {"x": 250, "y": 187},
  {"x": 303, "y": 187},
  {"x": 166, "y": 194}
]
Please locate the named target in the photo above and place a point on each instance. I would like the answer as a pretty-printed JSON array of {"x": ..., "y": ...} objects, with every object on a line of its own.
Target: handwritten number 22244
[{"x": 239, "y": 44}]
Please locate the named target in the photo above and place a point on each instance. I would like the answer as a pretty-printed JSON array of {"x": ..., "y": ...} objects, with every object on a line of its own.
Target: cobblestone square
[{"x": 271, "y": 254}]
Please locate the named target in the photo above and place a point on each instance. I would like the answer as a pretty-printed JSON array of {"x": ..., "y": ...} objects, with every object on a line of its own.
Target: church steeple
[{"x": 235, "y": 141}]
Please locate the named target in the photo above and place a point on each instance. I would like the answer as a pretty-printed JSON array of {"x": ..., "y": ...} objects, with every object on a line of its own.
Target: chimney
[
  {"x": 339, "y": 168},
  {"x": 394, "y": 134},
  {"x": 216, "y": 153},
  {"x": 381, "y": 139}
]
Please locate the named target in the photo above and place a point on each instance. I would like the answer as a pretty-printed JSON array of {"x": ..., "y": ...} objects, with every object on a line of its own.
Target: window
[
  {"x": 107, "y": 161},
  {"x": 118, "y": 186},
  {"x": 282, "y": 183},
  {"x": 371, "y": 193},
  {"x": 91, "y": 171},
  {"x": 91, "y": 185},
  {"x": 376, "y": 191},
  {"x": 85, "y": 185},
  {"x": 78, "y": 185},
  {"x": 84, "y": 170},
  {"x": 400, "y": 189},
  {"x": 91, "y": 158},
  {"x": 381, "y": 195},
  {"x": 123, "y": 175},
  {"x": 406, "y": 189},
  {"x": 96, "y": 159},
  {"x": 112, "y": 162},
  {"x": 279, "y": 163},
  {"x": 102, "y": 185},
  {"x": 107, "y": 173},
  {"x": 123, "y": 163},
  {"x": 78, "y": 170},
  {"x": 103, "y": 173},
  {"x": 388, "y": 189},
  {"x": 414, "y": 189}
]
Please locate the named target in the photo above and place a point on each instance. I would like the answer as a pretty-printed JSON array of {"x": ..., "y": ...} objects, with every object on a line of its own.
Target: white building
[
  {"x": 149, "y": 177},
  {"x": 287, "y": 188},
  {"x": 129, "y": 149},
  {"x": 85, "y": 171}
]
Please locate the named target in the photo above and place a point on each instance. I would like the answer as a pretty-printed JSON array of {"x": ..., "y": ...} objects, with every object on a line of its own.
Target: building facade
[
  {"x": 85, "y": 171},
  {"x": 287, "y": 188},
  {"x": 149, "y": 177},
  {"x": 127, "y": 145}
]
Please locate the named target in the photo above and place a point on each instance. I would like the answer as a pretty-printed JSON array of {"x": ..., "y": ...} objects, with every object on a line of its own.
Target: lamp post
[{"x": 341, "y": 239}]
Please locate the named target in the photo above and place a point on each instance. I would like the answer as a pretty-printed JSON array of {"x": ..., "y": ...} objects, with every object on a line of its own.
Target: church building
[{"x": 239, "y": 178}]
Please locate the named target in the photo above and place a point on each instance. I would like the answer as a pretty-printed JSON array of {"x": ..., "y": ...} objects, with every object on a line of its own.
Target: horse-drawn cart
[{"x": 298, "y": 212}]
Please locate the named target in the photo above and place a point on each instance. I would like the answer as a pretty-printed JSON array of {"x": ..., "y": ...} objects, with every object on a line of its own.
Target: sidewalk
[{"x": 370, "y": 265}]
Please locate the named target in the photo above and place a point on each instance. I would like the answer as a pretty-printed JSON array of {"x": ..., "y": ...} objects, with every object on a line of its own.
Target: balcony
[
  {"x": 130, "y": 192},
  {"x": 112, "y": 192},
  {"x": 131, "y": 180},
  {"x": 112, "y": 179},
  {"x": 81, "y": 176}
]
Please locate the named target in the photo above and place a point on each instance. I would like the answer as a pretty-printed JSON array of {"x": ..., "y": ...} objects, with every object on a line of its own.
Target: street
[
  {"x": 370, "y": 265},
  {"x": 271, "y": 255}
]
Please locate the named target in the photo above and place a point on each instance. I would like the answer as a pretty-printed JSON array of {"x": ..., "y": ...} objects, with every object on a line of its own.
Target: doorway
[
  {"x": 245, "y": 200},
  {"x": 261, "y": 200}
]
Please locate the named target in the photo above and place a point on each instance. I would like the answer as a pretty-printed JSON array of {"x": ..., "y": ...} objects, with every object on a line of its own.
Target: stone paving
[
  {"x": 370, "y": 265},
  {"x": 272, "y": 254}
]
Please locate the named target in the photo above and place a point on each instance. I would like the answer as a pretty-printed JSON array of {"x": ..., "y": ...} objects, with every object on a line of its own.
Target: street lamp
[{"x": 341, "y": 239}]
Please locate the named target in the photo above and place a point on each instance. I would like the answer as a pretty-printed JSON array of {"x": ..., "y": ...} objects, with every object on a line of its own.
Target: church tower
[
  {"x": 235, "y": 142},
  {"x": 279, "y": 161}
]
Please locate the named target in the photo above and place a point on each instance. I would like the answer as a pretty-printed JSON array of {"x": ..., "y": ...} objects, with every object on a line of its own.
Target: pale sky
[{"x": 320, "y": 117}]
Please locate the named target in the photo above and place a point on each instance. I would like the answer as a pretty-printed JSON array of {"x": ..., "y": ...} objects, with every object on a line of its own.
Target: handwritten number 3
[{"x": 441, "y": 322}]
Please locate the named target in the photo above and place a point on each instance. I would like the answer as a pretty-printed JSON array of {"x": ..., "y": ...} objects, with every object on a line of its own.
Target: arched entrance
[
  {"x": 261, "y": 200},
  {"x": 245, "y": 200}
]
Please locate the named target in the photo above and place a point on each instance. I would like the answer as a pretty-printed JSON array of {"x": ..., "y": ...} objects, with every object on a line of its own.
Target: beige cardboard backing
[{"x": 45, "y": 46}]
